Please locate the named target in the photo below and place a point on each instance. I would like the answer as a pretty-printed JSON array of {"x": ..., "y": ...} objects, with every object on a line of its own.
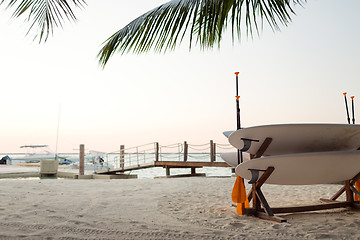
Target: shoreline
[{"x": 166, "y": 208}]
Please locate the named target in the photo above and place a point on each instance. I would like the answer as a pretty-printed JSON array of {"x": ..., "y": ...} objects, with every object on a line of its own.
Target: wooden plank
[
  {"x": 169, "y": 164},
  {"x": 338, "y": 193},
  {"x": 355, "y": 190},
  {"x": 328, "y": 200},
  {"x": 271, "y": 218},
  {"x": 128, "y": 168},
  {"x": 309, "y": 208},
  {"x": 190, "y": 164},
  {"x": 349, "y": 193},
  {"x": 263, "y": 147},
  {"x": 304, "y": 208},
  {"x": 263, "y": 201}
]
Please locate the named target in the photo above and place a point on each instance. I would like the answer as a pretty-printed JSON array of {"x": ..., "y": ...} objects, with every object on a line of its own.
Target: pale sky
[{"x": 293, "y": 76}]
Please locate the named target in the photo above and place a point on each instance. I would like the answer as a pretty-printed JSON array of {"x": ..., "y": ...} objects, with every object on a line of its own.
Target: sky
[{"x": 296, "y": 75}]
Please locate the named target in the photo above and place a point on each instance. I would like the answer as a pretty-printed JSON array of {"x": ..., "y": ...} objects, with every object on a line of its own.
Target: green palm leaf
[
  {"x": 204, "y": 21},
  {"x": 44, "y": 15}
]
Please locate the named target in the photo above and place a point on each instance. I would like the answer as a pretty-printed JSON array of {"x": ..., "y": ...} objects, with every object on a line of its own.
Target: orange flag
[
  {"x": 357, "y": 186},
  {"x": 239, "y": 195}
]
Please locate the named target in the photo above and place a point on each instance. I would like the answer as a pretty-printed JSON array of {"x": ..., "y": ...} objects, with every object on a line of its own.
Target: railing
[{"x": 148, "y": 153}]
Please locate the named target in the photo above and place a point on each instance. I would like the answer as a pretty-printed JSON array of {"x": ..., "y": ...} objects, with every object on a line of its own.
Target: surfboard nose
[{"x": 227, "y": 133}]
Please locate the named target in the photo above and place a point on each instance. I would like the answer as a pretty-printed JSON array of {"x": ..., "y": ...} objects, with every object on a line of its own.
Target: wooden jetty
[
  {"x": 167, "y": 165},
  {"x": 157, "y": 162}
]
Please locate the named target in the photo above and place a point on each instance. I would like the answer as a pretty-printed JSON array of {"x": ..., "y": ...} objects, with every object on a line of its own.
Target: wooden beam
[
  {"x": 263, "y": 201},
  {"x": 82, "y": 159},
  {"x": 263, "y": 147},
  {"x": 190, "y": 164},
  {"x": 262, "y": 180},
  {"x": 349, "y": 193}
]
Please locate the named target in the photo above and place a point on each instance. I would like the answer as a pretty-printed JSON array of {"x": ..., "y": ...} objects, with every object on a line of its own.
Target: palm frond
[
  {"x": 44, "y": 15},
  {"x": 164, "y": 27}
]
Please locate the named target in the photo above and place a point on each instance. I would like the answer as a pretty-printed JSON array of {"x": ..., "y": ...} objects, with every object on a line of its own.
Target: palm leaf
[
  {"x": 44, "y": 15},
  {"x": 164, "y": 27}
]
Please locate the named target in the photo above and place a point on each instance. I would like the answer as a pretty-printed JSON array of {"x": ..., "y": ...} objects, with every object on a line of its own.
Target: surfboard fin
[
  {"x": 254, "y": 175},
  {"x": 247, "y": 143}
]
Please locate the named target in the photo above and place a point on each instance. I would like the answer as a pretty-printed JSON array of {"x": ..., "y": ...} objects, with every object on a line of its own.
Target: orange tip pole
[
  {"x": 352, "y": 97},
  {"x": 237, "y": 73},
  {"x": 345, "y": 94}
]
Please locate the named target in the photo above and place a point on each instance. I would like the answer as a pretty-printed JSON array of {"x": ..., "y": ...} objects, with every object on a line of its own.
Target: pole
[
  {"x": 347, "y": 109},
  {"x": 122, "y": 156},
  {"x": 352, "y": 106},
  {"x": 82, "y": 159},
  {"x": 239, "y": 153},
  {"x": 185, "y": 151}
]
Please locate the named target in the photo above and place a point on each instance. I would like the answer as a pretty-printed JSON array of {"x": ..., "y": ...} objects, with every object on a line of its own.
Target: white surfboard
[
  {"x": 228, "y": 133},
  {"x": 305, "y": 168},
  {"x": 231, "y": 158},
  {"x": 299, "y": 138}
]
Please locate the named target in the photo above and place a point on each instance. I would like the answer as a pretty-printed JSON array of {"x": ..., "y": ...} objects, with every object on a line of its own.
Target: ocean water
[{"x": 135, "y": 159}]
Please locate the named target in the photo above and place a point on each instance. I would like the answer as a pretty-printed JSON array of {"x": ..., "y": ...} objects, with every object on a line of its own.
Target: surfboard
[
  {"x": 232, "y": 159},
  {"x": 228, "y": 133},
  {"x": 299, "y": 138},
  {"x": 305, "y": 168}
]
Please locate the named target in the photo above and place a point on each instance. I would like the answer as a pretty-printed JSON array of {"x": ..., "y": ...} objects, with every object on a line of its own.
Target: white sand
[{"x": 182, "y": 208}]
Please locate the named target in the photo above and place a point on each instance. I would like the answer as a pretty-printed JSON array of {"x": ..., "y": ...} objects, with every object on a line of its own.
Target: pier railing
[{"x": 148, "y": 153}]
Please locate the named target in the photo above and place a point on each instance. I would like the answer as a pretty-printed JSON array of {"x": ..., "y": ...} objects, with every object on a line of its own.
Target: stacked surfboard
[{"x": 301, "y": 154}]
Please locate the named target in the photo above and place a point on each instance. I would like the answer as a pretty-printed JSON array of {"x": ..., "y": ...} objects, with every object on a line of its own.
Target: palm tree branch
[
  {"x": 206, "y": 20},
  {"x": 45, "y": 14}
]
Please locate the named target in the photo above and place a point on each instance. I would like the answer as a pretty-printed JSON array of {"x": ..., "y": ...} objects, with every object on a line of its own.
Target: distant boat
[
  {"x": 35, "y": 153},
  {"x": 93, "y": 161}
]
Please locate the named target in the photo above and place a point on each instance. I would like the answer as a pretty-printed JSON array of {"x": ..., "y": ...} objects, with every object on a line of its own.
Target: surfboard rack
[
  {"x": 266, "y": 212},
  {"x": 257, "y": 197}
]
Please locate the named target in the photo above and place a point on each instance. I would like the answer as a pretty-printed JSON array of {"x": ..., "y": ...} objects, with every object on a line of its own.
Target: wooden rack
[{"x": 266, "y": 212}]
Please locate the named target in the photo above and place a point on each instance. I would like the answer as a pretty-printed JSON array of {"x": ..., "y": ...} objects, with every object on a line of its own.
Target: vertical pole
[
  {"x": 211, "y": 150},
  {"x": 156, "y": 151},
  {"x": 238, "y": 123},
  {"x": 185, "y": 151},
  {"x": 347, "y": 109},
  {"x": 82, "y": 159},
  {"x": 214, "y": 147},
  {"x": 122, "y": 156},
  {"x": 352, "y": 106}
]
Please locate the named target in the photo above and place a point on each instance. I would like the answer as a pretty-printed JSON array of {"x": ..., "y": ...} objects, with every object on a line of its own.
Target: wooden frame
[{"x": 266, "y": 212}]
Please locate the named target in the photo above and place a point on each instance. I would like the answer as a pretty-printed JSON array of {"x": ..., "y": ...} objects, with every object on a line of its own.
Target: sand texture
[{"x": 183, "y": 208}]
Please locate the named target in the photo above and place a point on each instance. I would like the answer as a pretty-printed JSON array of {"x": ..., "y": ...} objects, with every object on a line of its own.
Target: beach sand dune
[{"x": 183, "y": 208}]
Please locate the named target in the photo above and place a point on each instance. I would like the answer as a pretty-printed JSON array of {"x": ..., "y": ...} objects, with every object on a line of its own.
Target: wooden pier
[
  {"x": 182, "y": 162},
  {"x": 167, "y": 165}
]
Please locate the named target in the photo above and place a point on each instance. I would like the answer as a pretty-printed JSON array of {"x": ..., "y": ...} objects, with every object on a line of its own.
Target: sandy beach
[{"x": 182, "y": 208}]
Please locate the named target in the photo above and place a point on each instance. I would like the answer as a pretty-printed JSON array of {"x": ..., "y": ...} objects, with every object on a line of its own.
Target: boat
[
  {"x": 93, "y": 160},
  {"x": 35, "y": 153}
]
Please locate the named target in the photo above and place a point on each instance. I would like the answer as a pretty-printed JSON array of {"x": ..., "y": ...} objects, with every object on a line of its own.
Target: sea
[{"x": 113, "y": 161}]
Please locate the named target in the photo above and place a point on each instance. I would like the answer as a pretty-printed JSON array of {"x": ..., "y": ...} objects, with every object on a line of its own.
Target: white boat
[
  {"x": 35, "y": 153},
  {"x": 93, "y": 161}
]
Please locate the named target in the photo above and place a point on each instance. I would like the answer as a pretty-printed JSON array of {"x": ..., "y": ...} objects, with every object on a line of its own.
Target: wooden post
[
  {"x": 211, "y": 150},
  {"x": 122, "y": 156},
  {"x": 82, "y": 159},
  {"x": 167, "y": 171},
  {"x": 156, "y": 151},
  {"x": 193, "y": 171},
  {"x": 185, "y": 151},
  {"x": 214, "y": 152}
]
